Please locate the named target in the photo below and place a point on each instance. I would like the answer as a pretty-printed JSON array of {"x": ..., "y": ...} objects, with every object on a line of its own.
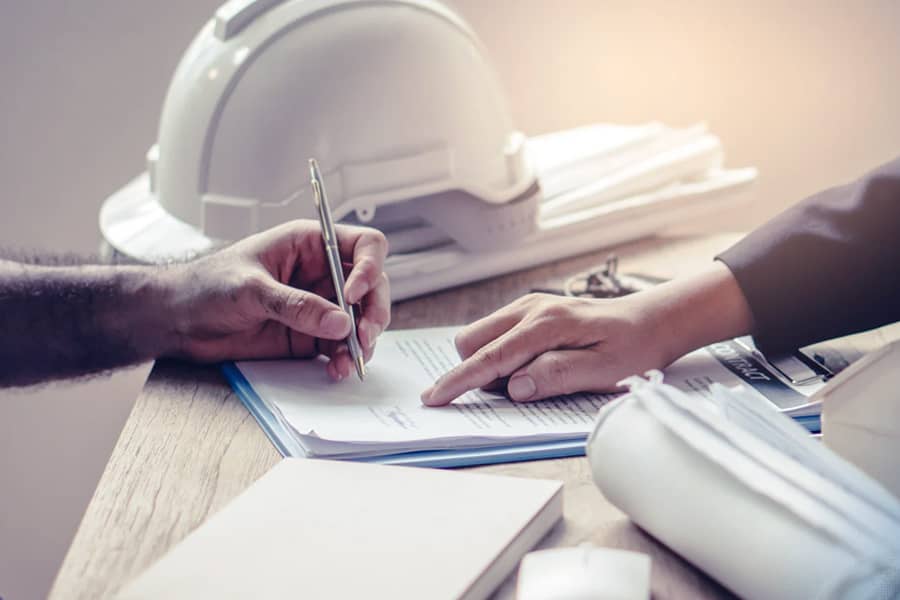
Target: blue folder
[
  {"x": 284, "y": 440},
  {"x": 287, "y": 444}
]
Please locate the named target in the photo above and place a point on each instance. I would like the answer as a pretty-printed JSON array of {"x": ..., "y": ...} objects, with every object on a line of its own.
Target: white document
[{"x": 384, "y": 413}]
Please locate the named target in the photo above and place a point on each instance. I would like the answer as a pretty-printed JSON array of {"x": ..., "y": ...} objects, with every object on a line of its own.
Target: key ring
[{"x": 603, "y": 281}]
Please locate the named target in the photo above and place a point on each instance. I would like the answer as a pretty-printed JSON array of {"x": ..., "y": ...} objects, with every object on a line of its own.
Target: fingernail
[
  {"x": 363, "y": 331},
  {"x": 335, "y": 323},
  {"x": 374, "y": 332},
  {"x": 352, "y": 292},
  {"x": 426, "y": 395},
  {"x": 521, "y": 387}
]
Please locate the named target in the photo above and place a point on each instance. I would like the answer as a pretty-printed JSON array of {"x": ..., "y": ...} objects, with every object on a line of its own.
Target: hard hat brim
[{"x": 134, "y": 223}]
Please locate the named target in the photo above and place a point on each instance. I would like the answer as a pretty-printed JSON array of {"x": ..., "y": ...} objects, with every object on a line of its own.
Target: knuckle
[
  {"x": 274, "y": 305},
  {"x": 380, "y": 241},
  {"x": 557, "y": 373},
  {"x": 301, "y": 226},
  {"x": 253, "y": 285},
  {"x": 370, "y": 268},
  {"x": 530, "y": 299},
  {"x": 253, "y": 280},
  {"x": 367, "y": 237},
  {"x": 463, "y": 346},
  {"x": 300, "y": 306},
  {"x": 490, "y": 358},
  {"x": 556, "y": 311}
]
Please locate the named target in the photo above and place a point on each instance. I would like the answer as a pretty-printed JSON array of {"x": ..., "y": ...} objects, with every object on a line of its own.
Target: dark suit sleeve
[{"x": 826, "y": 267}]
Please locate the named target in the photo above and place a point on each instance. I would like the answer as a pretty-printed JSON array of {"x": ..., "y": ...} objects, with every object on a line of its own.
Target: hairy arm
[
  {"x": 64, "y": 321},
  {"x": 268, "y": 296}
]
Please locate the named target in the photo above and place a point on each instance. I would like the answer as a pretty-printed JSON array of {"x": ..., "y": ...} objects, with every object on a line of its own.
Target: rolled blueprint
[{"x": 746, "y": 494}]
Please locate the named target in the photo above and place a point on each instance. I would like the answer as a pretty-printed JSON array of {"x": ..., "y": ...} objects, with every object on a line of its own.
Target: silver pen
[{"x": 329, "y": 237}]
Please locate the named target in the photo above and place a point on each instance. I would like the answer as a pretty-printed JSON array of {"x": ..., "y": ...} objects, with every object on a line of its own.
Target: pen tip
[{"x": 361, "y": 367}]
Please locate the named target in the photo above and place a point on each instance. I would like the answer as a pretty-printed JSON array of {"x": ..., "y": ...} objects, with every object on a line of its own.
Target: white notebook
[{"x": 327, "y": 529}]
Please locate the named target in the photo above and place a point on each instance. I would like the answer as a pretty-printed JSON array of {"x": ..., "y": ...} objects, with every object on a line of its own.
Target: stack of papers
[
  {"x": 611, "y": 168},
  {"x": 383, "y": 417},
  {"x": 599, "y": 185},
  {"x": 597, "y": 165}
]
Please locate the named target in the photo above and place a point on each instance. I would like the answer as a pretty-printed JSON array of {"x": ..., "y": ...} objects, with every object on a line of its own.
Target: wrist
[
  {"x": 696, "y": 311},
  {"x": 150, "y": 292}
]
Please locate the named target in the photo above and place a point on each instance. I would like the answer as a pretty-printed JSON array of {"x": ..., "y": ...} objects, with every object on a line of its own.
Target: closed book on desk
[{"x": 328, "y": 529}]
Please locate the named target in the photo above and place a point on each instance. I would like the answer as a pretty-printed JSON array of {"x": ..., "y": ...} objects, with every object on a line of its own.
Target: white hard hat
[{"x": 394, "y": 98}]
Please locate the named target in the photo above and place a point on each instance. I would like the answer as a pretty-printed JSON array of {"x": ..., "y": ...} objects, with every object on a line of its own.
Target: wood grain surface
[{"x": 189, "y": 446}]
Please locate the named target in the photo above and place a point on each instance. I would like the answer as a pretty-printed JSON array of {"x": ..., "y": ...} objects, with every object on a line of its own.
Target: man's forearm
[{"x": 69, "y": 321}]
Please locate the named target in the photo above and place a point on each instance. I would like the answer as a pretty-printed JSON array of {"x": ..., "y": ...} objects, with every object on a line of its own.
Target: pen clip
[{"x": 325, "y": 222}]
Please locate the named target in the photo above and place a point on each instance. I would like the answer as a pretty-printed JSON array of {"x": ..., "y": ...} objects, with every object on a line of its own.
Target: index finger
[
  {"x": 497, "y": 359},
  {"x": 483, "y": 331},
  {"x": 366, "y": 249}
]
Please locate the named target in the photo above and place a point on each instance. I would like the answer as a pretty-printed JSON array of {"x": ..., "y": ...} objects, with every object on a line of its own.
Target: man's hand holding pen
[{"x": 271, "y": 296}]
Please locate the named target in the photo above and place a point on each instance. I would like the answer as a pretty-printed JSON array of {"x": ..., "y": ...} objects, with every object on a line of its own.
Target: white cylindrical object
[{"x": 761, "y": 534}]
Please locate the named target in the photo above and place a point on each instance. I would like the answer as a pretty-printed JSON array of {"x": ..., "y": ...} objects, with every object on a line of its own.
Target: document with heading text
[{"x": 383, "y": 414}]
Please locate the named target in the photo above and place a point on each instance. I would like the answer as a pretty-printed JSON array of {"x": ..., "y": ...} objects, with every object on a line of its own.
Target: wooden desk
[{"x": 190, "y": 446}]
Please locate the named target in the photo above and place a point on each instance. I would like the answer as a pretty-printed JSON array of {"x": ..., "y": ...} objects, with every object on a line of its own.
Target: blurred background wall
[{"x": 808, "y": 91}]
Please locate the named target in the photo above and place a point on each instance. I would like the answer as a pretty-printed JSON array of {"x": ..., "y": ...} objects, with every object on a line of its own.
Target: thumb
[
  {"x": 555, "y": 373},
  {"x": 304, "y": 312}
]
